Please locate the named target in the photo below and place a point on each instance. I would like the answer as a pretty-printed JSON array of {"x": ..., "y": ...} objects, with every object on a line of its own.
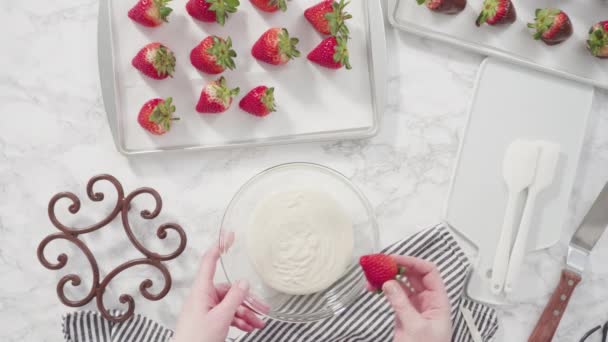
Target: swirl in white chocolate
[{"x": 300, "y": 242}]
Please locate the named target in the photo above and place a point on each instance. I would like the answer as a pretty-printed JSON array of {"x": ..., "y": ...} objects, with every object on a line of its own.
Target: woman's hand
[
  {"x": 422, "y": 309},
  {"x": 209, "y": 310}
]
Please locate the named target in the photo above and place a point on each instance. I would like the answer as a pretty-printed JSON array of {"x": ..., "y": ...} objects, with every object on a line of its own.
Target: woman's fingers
[
  {"x": 241, "y": 324},
  {"x": 400, "y": 302},
  {"x": 257, "y": 304},
  {"x": 207, "y": 267},
  {"x": 250, "y": 317},
  {"x": 429, "y": 276}
]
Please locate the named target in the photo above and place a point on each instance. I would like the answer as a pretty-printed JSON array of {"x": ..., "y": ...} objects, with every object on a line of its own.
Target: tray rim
[
  {"x": 377, "y": 56},
  {"x": 479, "y": 48}
]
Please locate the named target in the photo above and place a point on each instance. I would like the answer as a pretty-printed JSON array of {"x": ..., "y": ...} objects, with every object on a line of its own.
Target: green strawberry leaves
[
  {"x": 162, "y": 115},
  {"x": 281, "y": 4},
  {"x": 488, "y": 11},
  {"x": 222, "y": 8},
  {"x": 545, "y": 18},
  {"x": 287, "y": 45},
  {"x": 337, "y": 19},
  {"x": 223, "y": 93},
  {"x": 223, "y": 52},
  {"x": 163, "y": 9},
  {"x": 341, "y": 52},
  {"x": 598, "y": 39},
  {"x": 268, "y": 100},
  {"x": 164, "y": 61}
]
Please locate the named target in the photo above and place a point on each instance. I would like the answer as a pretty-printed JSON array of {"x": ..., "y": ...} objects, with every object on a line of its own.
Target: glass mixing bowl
[{"x": 238, "y": 219}]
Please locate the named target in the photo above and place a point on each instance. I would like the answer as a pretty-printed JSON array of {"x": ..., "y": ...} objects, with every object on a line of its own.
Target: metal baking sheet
[
  {"x": 313, "y": 103},
  {"x": 514, "y": 42}
]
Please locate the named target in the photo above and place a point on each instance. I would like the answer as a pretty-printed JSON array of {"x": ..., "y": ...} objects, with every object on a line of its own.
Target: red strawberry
[
  {"x": 216, "y": 97},
  {"x": 259, "y": 101},
  {"x": 156, "y": 116},
  {"x": 331, "y": 53},
  {"x": 552, "y": 26},
  {"x": 150, "y": 13},
  {"x": 496, "y": 12},
  {"x": 213, "y": 55},
  {"x": 212, "y": 10},
  {"x": 155, "y": 60},
  {"x": 597, "y": 43},
  {"x": 379, "y": 268},
  {"x": 275, "y": 47},
  {"x": 444, "y": 6},
  {"x": 328, "y": 17},
  {"x": 270, "y": 5}
]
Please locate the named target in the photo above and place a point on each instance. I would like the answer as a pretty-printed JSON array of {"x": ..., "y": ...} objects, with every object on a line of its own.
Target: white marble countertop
[{"x": 54, "y": 136}]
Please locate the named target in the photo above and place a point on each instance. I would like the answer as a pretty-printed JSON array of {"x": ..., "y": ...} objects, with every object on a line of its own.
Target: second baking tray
[
  {"x": 313, "y": 103},
  {"x": 513, "y": 42}
]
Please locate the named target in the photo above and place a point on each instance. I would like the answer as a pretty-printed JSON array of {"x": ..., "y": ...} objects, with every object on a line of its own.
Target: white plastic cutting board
[{"x": 512, "y": 102}]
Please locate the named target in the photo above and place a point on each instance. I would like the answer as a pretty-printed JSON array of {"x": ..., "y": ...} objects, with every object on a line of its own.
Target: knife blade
[{"x": 585, "y": 238}]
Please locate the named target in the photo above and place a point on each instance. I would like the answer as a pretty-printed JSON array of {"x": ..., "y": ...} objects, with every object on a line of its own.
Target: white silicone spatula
[
  {"x": 519, "y": 167},
  {"x": 545, "y": 174}
]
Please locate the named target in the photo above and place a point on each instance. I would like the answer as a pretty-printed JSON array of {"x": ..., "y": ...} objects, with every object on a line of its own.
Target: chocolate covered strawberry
[
  {"x": 156, "y": 116},
  {"x": 150, "y": 13},
  {"x": 276, "y": 47},
  {"x": 212, "y": 10},
  {"x": 597, "y": 43},
  {"x": 379, "y": 268},
  {"x": 444, "y": 6},
  {"x": 552, "y": 26},
  {"x": 270, "y": 5},
  {"x": 216, "y": 97},
  {"x": 329, "y": 17},
  {"x": 259, "y": 101},
  {"x": 155, "y": 60},
  {"x": 213, "y": 55},
  {"x": 496, "y": 12},
  {"x": 331, "y": 53}
]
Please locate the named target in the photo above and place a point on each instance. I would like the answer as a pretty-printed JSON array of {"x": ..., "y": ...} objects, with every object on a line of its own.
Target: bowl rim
[{"x": 238, "y": 194}]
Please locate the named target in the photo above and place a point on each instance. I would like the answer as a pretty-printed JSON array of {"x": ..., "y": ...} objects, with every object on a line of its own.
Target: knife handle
[{"x": 549, "y": 321}]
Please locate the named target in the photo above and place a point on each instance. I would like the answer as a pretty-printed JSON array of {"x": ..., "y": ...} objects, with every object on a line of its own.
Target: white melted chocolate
[{"x": 300, "y": 242}]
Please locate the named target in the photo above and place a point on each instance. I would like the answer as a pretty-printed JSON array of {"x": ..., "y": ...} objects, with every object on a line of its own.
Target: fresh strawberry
[
  {"x": 216, "y": 97},
  {"x": 150, "y": 13},
  {"x": 552, "y": 26},
  {"x": 259, "y": 101},
  {"x": 598, "y": 39},
  {"x": 213, "y": 55},
  {"x": 444, "y": 6},
  {"x": 379, "y": 268},
  {"x": 275, "y": 47},
  {"x": 270, "y": 5},
  {"x": 155, "y": 60},
  {"x": 212, "y": 10},
  {"x": 331, "y": 53},
  {"x": 328, "y": 17},
  {"x": 496, "y": 12},
  {"x": 156, "y": 116}
]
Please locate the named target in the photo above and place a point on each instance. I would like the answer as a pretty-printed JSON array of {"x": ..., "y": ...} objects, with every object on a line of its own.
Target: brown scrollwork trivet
[{"x": 99, "y": 285}]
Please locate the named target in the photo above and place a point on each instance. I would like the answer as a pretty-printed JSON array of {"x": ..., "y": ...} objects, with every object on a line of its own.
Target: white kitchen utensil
[
  {"x": 545, "y": 174},
  {"x": 505, "y": 94},
  {"x": 519, "y": 168},
  {"x": 468, "y": 319}
]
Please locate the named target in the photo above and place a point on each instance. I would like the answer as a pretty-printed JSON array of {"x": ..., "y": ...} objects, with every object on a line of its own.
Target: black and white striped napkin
[{"x": 369, "y": 319}]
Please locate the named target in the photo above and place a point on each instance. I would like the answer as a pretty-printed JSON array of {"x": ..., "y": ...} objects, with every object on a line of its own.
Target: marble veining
[{"x": 54, "y": 136}]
